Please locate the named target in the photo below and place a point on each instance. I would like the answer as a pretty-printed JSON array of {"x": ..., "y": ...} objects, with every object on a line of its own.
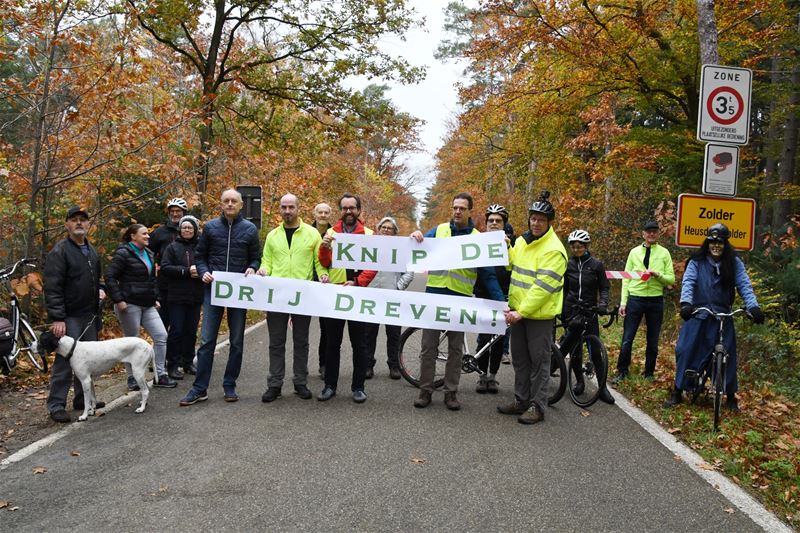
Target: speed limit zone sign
[{"x": 725, "y": 105}]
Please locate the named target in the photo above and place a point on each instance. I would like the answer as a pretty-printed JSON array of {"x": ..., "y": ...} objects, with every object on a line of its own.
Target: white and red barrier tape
[{"x": 621, "y": 274}]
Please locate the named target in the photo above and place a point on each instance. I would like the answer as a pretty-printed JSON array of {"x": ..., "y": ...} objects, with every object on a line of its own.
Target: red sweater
[{"x": 362, "y": 278}]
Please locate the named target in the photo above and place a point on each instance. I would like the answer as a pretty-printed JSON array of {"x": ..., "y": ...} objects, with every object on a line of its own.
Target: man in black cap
[
  {"x": 644, "y": 297},
  {"x": 72, "y": 293}
]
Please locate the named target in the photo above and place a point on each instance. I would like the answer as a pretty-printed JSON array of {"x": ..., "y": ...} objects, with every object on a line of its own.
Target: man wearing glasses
[
  {"x": 644, "y": 298},
  {"x": 349, "y": 222},
  {"x": 456, "y": 282}
]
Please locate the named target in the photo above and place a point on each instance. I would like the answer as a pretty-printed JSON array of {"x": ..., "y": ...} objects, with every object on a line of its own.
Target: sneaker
[
  {"x": 675, "y": 398},
  {"x": 79, "y": 405},
  {"x": 619, "y": 377},
  {"x": 394, "y": 373},
  {"x": 175, "y": 373},
  {"x": 506, "y": 360},
  {"x": 61, "y": 416},
  {"x": 533, "y": 415},
  {"x": 579, "y": 388},
  {"x": 481, "y": 387},
  {"x": 271, "y": 394},
  {"x": 451, "y": 402},
  {"x": 424, "y": 399},
  {"x": 326, "y": 394},
  {"x": 192, "y": 397},
  {"x": 229, "y": 394},
  {"x": 370, "y": 373},
  {"x": 514, "y": 408},
  {"x": 163, "y": 381},
  {"x": 731, "y": 403},
  {"x": 190, "y": 369},
  {"x": 492, "y": 387},
  {"x": 359, "y": 396},
  {"x": 302, "y": 391},
  {"x": 132, "y": 385}
]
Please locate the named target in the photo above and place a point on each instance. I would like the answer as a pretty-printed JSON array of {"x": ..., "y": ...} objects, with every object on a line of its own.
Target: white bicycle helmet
[
  {"x": 497, "y": 209},
  {"x": 579, "y": 235},
  {"x": 178, "y": 202}
]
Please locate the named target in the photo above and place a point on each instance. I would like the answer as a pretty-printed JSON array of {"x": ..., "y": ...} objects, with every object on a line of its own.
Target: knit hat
[
  {"x": 391, "y": 220},
  {"x": 192, "y": 220}
]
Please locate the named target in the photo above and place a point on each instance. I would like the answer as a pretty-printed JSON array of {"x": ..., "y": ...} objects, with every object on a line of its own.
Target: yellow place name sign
[{"x": 697, "y": 213}]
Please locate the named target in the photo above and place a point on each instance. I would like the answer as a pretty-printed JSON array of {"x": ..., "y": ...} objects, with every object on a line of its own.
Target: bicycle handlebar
[
  {"x": 9, "y": 271},
  {"x": 718, "y": 316}
]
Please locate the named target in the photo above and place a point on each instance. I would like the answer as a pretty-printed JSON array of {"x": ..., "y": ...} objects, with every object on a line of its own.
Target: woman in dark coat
[
  {"x": 131, "y": 282},
  {"x": 185, "y": 297}
]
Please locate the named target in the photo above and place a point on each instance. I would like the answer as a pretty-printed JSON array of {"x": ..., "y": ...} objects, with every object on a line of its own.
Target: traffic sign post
[
  {"x": 724, "y": 114},
  {"x": 697, "y": 213},
  {"x": 720, "y": 170}
]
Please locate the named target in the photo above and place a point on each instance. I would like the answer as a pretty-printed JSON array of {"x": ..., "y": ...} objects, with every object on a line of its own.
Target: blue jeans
[
  {"x": 212, "y": 318},
  {"x": 652, "y": 309}
]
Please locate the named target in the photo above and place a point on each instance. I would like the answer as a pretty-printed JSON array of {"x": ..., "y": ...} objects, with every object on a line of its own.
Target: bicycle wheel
[
  {"x": 587, "y": 372},
  {"x": 719, "y": 385},
  {"x": 410, "y": 348},
  {"x": 28, "y": 342},
  {"x": 558, "y": 376}
]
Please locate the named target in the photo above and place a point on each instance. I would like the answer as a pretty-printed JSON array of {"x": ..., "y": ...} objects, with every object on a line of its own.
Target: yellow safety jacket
[
  {"x": 460, "y": 280},
  {"x": 298, "y": 262},
  {"x": 660, "y": 261},
  {"x": 537, "y": 276}
]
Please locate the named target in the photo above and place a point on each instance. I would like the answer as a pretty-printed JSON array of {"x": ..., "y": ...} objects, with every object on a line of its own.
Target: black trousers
[
  {"x": 392, "y": 344},
  {"x": 335, "y": 334}
]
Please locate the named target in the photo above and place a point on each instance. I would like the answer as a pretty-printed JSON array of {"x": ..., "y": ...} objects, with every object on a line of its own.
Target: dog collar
[{"x": 71, "y": 350}]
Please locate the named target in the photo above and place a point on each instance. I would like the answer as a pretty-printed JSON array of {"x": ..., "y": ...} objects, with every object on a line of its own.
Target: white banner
[
  {"x": 384, "y": 306},
  {"x": 404, "y": 254}
]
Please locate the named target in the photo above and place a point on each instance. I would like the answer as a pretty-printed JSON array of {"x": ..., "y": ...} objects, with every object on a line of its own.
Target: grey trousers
[
  {"x": 277, "y": 324},
  {"x": 61, "y": 376},
  {"x": 147, "y": 317},
  {"x": 430, "y": 351},
  {"x": 530, "y": 355}
]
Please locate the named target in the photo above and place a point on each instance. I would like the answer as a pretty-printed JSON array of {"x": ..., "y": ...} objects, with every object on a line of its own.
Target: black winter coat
[
  {"x": 163, "y": 236},
  {"x": 129, "y": 280},
  {"x": 71, "y": 281},
  {"x": 584, "y": 279},
  {"x": 224, "y": 247},
  {"x": 182, "y": 288}
]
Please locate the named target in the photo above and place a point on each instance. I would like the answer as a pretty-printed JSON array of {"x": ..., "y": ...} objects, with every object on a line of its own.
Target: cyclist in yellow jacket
[
  {"x": 290, "y": 251},
  {"x": 538, "y": 262}
]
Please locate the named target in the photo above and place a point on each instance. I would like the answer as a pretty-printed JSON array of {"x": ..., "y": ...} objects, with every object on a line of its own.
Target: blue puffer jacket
[{"x": 224, "y": 247}]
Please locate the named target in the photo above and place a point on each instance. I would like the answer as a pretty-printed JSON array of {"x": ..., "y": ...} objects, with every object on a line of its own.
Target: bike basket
[{"x": 6, "y": 336}]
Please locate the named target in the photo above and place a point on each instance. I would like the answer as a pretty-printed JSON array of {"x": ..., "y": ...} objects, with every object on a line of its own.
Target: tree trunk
[
  {"x": 783, "y": 207},
  {"x": 707, "y": 32},
  {"x": 770, "y": 149}
]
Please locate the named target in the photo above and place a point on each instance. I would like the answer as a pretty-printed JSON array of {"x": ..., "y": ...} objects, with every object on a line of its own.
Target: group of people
[{"x": 161, "y": 282}]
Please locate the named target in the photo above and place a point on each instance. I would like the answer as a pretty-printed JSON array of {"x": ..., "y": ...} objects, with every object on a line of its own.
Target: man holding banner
[
  {"x": 290, "y": 251},
  {"x": 456, "y": 282},
  {"x": 349, "y": 222}
]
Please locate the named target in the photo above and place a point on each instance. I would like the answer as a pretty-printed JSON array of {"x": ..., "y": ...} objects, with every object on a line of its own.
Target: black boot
[
  {"x": 605, "y": 396},
  {"x": 675, "y": 398}
]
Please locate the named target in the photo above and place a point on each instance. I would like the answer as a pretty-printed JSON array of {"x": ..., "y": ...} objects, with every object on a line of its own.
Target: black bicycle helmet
[
  {"x": 497, "y": 209},
  {"x": 543, "y": 206},
  {"x": 718, "y": 233}
]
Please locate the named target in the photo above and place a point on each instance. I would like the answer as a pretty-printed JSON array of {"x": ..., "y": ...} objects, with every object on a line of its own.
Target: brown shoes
[
  {"x": 424, "y": 399},
  {"x": 513, "y": 408},
  {"x": 451, "y": 402},
  {"x": 533, "y": 415}
]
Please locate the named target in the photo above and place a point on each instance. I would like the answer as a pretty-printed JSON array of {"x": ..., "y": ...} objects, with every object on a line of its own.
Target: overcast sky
[{"x": 435, "y": 99}]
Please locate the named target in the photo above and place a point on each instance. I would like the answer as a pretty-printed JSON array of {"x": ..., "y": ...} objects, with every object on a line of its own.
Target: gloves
[
  {"x": 757, "y": 314},
  {"x": 576, "y": 324},
  {"x": 686, "y": 311}
]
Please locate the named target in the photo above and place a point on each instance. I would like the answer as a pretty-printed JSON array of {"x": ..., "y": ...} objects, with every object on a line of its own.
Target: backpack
[{"x": 6, "y": 336}]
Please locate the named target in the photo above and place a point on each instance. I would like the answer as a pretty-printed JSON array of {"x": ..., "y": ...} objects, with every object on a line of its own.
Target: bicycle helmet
[
  {"x": 718, "y": 233},
  {"x": 178, "y": 202},
  {"x": 543, "y": 206},
  {"x": 497, "y": 209},
  {"x": 579, "y": 235}
]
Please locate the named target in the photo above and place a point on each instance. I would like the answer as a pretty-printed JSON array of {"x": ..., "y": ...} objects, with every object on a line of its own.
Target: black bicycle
[
  {"x": 713, "y": 370},
  {"x": 16, "y": 334},
  {"x": 587, "y": 377},
  {"x": 410, "y": 347}
]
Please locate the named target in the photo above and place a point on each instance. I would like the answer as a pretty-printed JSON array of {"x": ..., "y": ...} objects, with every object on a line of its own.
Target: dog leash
[{"x": 75, "y": 342}]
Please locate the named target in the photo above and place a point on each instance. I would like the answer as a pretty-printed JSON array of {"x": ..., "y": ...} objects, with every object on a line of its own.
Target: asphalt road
[{"x": 297, "y": 465}]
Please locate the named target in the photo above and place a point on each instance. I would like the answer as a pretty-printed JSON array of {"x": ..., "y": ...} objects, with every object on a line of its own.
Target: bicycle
[
  {"x": 19, "y": 335},
  {"x": 410, "y": 347},
  {"x": 714, "y": 368},
  {"x": 585, "y": 378}
]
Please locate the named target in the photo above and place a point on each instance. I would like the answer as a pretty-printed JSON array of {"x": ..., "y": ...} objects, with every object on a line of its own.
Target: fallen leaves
[
  {"x": 418, "y": 461},
  {"x": 39, "y": 470},
  {"x": 730, "y": 510},
  {"x": 75, "y": 453}
]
